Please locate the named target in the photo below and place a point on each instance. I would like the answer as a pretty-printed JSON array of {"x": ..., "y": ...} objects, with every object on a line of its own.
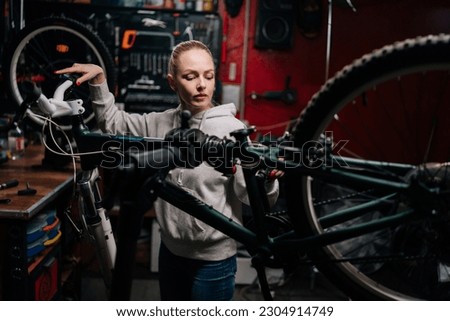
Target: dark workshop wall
[{"x": 258, "y": 70}]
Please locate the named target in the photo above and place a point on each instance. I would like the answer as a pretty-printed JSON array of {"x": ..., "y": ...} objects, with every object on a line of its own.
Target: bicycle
[{"x": 369, "y": 211}]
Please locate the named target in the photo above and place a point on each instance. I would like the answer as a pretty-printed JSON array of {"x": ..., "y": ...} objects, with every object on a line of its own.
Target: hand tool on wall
[
  {"x": 176, "y": 17},
  {"x": 287, "y": 96}
]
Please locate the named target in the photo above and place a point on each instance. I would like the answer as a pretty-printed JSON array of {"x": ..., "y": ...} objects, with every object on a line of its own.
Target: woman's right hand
[{"x": 89, "y": 72}]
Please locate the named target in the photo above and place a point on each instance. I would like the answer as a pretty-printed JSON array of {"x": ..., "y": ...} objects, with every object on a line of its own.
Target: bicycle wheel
[
  {"x": 391, "y": 105},
  {"x": 49, "y": 44}
]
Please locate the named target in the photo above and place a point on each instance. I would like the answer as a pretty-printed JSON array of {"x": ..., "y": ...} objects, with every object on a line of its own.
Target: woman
[{"x": 196, "y": 262}]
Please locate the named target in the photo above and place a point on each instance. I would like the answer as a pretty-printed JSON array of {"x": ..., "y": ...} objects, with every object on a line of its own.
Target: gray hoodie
[{"x": 183, "y": 234}]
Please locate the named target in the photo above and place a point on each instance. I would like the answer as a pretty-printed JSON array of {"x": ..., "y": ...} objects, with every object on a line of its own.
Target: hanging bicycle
[{"x": 366, "y": 171}]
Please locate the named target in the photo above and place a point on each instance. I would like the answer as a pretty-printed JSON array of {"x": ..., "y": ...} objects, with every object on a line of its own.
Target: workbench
[{"x": 38, "y": 278}]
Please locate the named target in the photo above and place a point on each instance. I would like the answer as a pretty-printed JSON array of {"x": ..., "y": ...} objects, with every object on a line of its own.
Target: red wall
[{"x": 374, "y": 24}]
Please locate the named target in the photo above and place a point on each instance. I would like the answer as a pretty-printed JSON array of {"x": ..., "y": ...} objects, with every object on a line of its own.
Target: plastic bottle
[
  {"x": 199, "y": 5},
  {"x": 208, "y": 5},
  {"x": 190, "y": 5},
  {"x": 16, "y": 142}
]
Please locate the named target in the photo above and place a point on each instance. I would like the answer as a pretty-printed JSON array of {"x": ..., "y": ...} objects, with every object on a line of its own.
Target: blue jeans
[{"x": 183, "y": 279}]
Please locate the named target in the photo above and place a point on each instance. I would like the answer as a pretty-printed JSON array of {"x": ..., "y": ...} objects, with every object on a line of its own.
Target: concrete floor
[
  {"x": 305, "y": 284},
  {"x": 296, "y": 289}
]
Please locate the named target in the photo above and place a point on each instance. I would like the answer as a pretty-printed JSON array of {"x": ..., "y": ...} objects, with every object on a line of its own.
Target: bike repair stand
[
  {"x": 259, "y": 259},
  {"x": 135, "y": 200},
  {"x": 259, "y": 203},
  {"x": 258, "y": 265}
]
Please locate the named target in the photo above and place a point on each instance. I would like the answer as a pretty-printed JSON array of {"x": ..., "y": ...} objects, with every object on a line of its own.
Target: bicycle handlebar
[{"x": 181, "y": 147}]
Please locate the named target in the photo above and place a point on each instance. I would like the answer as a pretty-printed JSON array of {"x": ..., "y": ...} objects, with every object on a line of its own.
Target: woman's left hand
[
  {"x": 274, "y": 174},
  {"x": 89, "y": 72}
]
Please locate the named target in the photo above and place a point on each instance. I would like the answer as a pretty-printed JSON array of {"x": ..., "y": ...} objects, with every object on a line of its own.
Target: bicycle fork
[{"x": 98, "y": 223}]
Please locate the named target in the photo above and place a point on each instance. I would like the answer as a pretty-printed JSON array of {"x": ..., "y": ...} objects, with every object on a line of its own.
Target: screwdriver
[{"x": 8, "y": 184}]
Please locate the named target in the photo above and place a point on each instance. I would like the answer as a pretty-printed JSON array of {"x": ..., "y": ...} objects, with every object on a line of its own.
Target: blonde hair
[{"x": 183, "y": 47}]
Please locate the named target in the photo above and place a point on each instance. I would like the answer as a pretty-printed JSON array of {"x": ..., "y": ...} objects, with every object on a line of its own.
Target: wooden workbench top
[{"x": 47, "y": 182}]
